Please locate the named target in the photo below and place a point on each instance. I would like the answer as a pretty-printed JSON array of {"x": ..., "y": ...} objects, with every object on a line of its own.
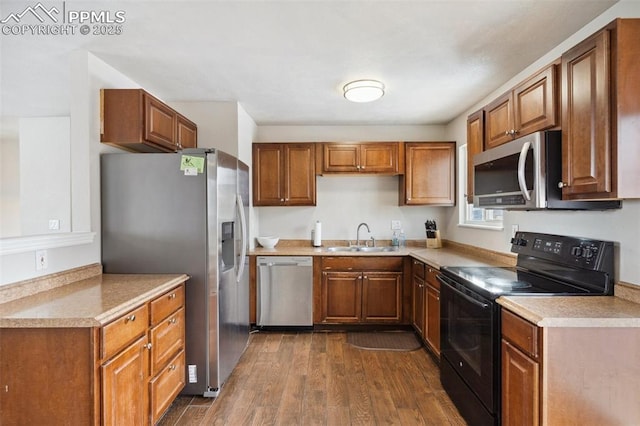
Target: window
[{"x": 469, "y": 215}]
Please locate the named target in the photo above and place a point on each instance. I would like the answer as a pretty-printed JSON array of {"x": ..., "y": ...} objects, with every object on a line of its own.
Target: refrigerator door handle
[{"x": 243, "y": 229}]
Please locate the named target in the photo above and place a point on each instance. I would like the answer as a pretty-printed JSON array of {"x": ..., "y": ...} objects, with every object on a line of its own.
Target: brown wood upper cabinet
[
  {"x": 529, "y": 107},
  {"x": 284, "y": 174},
  {"x": 475, "y": 134},
  {"x": 600, "y": 110},
  {"x": 368, "y": 157},
  {"x": 134, "y": 120},
  {"x": 430, "y": 174}
]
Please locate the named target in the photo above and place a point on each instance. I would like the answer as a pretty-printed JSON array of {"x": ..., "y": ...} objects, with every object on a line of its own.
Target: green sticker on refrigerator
[{"x": 189, "y": 163}]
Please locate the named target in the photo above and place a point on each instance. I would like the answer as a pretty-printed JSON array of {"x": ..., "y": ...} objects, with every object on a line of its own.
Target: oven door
[{"x": 470, "y": 340}]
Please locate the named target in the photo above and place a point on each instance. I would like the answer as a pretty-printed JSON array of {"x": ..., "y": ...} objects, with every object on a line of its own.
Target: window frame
[{"x": 491, "y": 219}]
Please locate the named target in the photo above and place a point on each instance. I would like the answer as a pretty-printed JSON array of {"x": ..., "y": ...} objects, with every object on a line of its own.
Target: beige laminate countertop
[
  {"x": 91, "y": 302},
  {"x": 574, "y": 311},
  {"x": 435, "y": 258}
]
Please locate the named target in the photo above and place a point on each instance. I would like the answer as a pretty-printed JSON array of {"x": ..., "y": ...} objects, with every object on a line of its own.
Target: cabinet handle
[
  {"x": 147, "y": 346},
  {"x": 282, "y": 200},
  {"x": 172, "y": 367},
  {"x": 562, "y": 185},
  {"x": 362, "y": 167},
  {"x": 506, "y": 133},
  {"x": 172, "y": 321},
  {"x": 172, "y": 296},
  {"x": 130, "y": 318}
]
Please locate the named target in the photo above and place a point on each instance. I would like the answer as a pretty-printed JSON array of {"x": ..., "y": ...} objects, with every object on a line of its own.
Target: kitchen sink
[
  {"x": 363, "y": 249},
  {"x": 377, "y": 249},
  {"x": 342, "y": 248}
]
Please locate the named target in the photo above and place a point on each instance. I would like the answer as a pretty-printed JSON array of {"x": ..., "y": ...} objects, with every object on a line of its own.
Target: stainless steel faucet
[{"x": 358, "y": 232}]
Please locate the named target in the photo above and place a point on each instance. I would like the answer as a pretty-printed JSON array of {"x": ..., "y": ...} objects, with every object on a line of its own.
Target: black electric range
[
  {"x": 470, "y": 316},
  {"x": 546, "y": 264}
]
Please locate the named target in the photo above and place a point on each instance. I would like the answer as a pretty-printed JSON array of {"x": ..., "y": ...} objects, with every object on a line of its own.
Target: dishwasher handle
[
  {"x": 281, "y": 264},
  {"x": 285, "y": 261}
]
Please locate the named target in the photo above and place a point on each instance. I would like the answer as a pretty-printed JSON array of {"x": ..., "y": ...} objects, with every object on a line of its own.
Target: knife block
[{"x": 433, "y": 239}]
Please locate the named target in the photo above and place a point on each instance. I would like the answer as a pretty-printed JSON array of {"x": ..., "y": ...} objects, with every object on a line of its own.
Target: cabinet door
[
  {"x": 498, "y": 121},
  {"x": 418, "y": 315},
  {"x": 433, "y": 319},
  {"x": 475, "y": 137},
  {"x": 187, "y": 136},
  {"x": 586, "y": 123},
  {"x": 160, "y": 123},
  {"x": 341, "y": 158},
  {"x": 341, "y": 296},
  {"x": 535, "y": 102},
  {"x": 520, "y": 387},
  {"x": 124, "y": 386},
  {"x": 300, "y": 174},
  {"x": 430, "y": 174},
  {"x": 268, "y": 175},
  {"x": 379, "y": 158},
  {"x": 382, "y": 296}
]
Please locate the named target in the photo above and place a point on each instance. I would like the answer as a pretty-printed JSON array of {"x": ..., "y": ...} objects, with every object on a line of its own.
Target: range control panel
[{"x": 571, "y": 251}]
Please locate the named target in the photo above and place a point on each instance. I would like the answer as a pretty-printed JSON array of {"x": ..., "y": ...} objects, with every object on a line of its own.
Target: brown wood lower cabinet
[
  {"x": 520, "y": 371},
  {"x": 361, "y": 290},
  {"x": 126, "y": 372},
  {"x": 426, "y": 304},
  {"x": 568, "y": 375},
  {"x": 124, "y": 392},
  {"x": 433, "y": 311}
]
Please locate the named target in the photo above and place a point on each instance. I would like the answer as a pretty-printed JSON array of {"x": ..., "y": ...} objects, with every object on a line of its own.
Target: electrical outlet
[
  {"x": 396, "y": 224},
  {"x": 54, "y": 224},
  {"x": 514, "y": 229},
  {"x": 42, "y": 260}
]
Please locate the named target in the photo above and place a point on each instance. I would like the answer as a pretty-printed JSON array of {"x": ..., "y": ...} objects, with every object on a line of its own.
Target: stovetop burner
[{"x": 509, "y": 284}]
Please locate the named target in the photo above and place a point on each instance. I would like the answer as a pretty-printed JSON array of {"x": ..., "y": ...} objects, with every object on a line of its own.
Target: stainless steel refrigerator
[{"x": 186, "y": 213}]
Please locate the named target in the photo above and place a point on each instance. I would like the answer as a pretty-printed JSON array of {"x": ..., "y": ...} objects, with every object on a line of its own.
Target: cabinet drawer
[
  {"x": 166, "y": 385},
  {"x": 163, "y": 306},
  {"x": 417, "y": 268},
  {"x": 167, "y": 338},
  {"x": 520, "y": 333},
  {"x": 119, "y": 333},
  {"x": 431, "y": 277},
  {"x": 369, "y": 263}
]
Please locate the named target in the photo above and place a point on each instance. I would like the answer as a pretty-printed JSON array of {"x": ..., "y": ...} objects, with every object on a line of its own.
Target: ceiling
[{"x": 286, "y": 61}]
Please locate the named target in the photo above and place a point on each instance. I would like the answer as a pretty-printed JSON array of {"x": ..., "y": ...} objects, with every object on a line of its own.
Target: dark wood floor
[{"x": 319, "y": 379}]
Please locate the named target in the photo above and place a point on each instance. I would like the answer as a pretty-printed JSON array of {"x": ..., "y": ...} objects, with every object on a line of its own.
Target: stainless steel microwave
[{"x": 524, "y": 174}]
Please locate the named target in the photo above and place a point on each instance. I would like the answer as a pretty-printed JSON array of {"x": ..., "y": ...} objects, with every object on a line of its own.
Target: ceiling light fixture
[{"x": 363, "y": 90}]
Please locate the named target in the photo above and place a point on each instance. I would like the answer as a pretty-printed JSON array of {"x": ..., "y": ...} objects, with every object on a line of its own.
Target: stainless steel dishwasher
[{"x": 284, "y": 291}]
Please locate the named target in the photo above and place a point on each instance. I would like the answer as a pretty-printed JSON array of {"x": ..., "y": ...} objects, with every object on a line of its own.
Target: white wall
[
  {"x": 89, "y": 75},
  {"x": 217, "y": 123},
  {"x": 621, "y": 226},
  {"x": 343, "y": 202},
  {"x": 45, "y": 146}
]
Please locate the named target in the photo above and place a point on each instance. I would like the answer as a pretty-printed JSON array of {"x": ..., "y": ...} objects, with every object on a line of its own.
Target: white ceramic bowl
[{"x": 268, "y": 242}]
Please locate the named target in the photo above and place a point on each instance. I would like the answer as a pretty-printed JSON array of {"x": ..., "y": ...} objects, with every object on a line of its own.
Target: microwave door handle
[{"x": 522, "y": 162}]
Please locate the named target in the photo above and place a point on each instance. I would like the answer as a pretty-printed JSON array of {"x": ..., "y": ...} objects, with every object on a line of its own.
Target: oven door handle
[{"x": 461, "y": 294}]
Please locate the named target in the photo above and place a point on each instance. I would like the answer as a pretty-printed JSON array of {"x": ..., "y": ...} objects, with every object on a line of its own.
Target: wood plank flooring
[{"x": 319, "y": 379}]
